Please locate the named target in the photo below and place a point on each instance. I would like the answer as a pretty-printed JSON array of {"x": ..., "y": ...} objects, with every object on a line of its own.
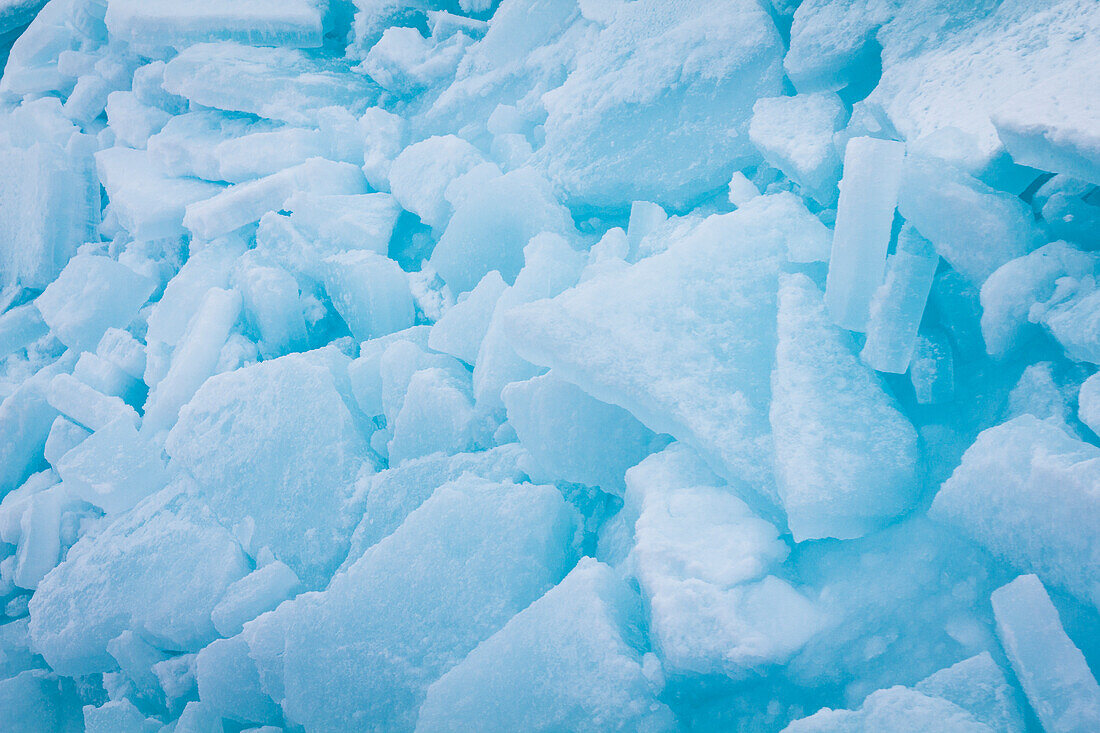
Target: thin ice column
[
  {"x": 898, "y": 304},
  {"x": 864, "y": 217}
]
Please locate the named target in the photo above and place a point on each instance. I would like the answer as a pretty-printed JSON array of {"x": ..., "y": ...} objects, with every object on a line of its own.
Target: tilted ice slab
[
  {"x": 682, "y": 340},
  {"x": 256, "y": 22}
]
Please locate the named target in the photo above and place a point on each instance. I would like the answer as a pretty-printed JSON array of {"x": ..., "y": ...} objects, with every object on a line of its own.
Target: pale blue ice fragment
[{"x": 864, "y": 219}]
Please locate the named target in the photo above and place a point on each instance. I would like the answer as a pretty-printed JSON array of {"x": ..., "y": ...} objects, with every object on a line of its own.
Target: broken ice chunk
[
  {"x": 259, "y": 591},
  {"x": 898, "y": 304},
  {"x": 194, "y": 359},
  {"x": 39, "y": 537},
  {"x": 1026, "y": 490},
  {"x": 131, "y": 121},
  {"x": 25, "y": 420},
  {"x": 159, "y": 569},
  {"x": 419, "y": 176},
  {"x": 46, "y": 211},
  {"x": 979, "y": 686},
  {"x": 370, "y": 292},
  {"x": 656, "y": 107},
  {"x": 229, "y": 684},
  {"x": 491, "y": 226},
  {"x": 87, "y": 406},
  {"x": 845, "y": 454},
  {"x": 114, "y": 468},
  {"x": 277, "y": 83},
  {"x": 480, "y": 551},
  {"x": 645, "y": 218},
  {"x": 116, "y": 716},
  {"x": 864, "y": 218},
  {"x": 272, "y": 305},
  {"x": 1053, "y": 672},
  {"x": 437, "y": 414},
  {"x": 573, "y": 436},
  {"x": 682, "y": 340},
  {"x": 338, "y": 223},
  {"x": 1012, "y": 292},
  {"x": 701, "y": 557},
  {"x": 974, "y": 227},
  {"x": 19, "y": 327},
  {"x": 275, "y": 442},
  {"x": 189, "y": 143},
  {"x": 245, "y": 203},
  {"x": 569, "y": 661},
  {"x": 1088, "y": 403},
  {"x": 795, "y": 134},
  {"x": 1052, "y": 125},
  {"x": 462, "y": 328},
  {"x": 391, "y": 495},
  {"x": 64, "y": 436},
  {"x": 295, "y": 23},
  {"x": 92, "y": 294},
  {"x": 741, "y": 189},
  {"x": 35, "y": 700},
  {"x": 148, "y": 203},
  {"x": 894, "y": 709}
]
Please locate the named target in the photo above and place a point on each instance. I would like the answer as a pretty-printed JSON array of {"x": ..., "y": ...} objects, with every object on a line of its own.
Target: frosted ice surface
[
  {"x": 159, "y": 571},
  {"x": 1025, "y": 490},
  {"x": 845, "y": 454},
  {"x": 682, "y": 340},
  {"x": 396, "y": 365},
  {"x": 1053, "y": 672},
  {"x": 276, "y": 83},
  {"x": 233, "y": 437},
  {"x": 795, "y": 134}
]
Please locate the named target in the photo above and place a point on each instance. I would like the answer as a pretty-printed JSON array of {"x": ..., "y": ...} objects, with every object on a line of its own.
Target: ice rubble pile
[{"x": 549, "y": 365}]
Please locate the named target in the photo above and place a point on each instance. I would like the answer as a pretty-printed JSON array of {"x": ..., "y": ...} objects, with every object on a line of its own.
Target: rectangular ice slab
[
  {"x": 46, "y": 211},
  {"x": 1028, "y": 492},
  {"x": 898, "y": 304},
  {"x": 864, "y": 219},
  {"x": 295, "y": 23},
  {"x": 20, "y": 327},
  {"x": 276, "y": 83},
  {"x": 245, "y": 203},
  {"x": 1052, "y": 671}
]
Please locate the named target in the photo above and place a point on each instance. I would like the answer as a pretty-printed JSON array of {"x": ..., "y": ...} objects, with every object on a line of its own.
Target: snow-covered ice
[{"x": 549, "y": 365}]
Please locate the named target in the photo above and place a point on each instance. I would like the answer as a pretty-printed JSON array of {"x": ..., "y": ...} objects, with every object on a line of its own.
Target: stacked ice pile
[{"x": 549, "y": 365}]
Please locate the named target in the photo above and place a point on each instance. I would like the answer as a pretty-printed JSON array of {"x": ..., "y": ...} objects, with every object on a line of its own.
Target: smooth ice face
[
  {"x": 864, "y": 216},
  {"x": 572, "y": 436},
  {"x": 481, "y": 552},
  {"x": 256, "y": 22},
  {"x": 569, "y": 661},
  {"x": 845, "y": 454},
  {"x": 93, "y": 293},
  {"x": 275, "y": 450}
]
